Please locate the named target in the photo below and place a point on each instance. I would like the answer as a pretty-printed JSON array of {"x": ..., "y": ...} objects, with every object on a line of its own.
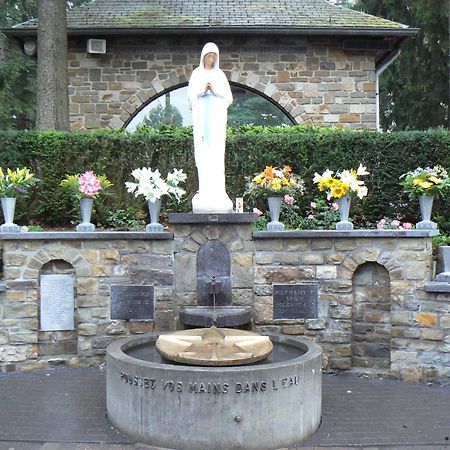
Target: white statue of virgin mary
[{"x": 210, "y": 95}]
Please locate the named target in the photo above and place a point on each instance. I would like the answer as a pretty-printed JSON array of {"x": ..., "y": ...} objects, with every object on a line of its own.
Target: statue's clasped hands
[{"x": 209, "y": 88}]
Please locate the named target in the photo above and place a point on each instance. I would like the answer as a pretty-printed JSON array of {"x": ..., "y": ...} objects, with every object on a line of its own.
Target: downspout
[{"x": 378, "y": 71}]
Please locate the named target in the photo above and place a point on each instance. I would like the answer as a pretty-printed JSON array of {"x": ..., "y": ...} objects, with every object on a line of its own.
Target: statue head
[
  {"x": 209, "y": 60},
  {"x": 210, "y": 56}
]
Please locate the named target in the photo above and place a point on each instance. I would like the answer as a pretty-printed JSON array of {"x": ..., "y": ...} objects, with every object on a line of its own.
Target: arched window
[{"x": 248, "y": 108}]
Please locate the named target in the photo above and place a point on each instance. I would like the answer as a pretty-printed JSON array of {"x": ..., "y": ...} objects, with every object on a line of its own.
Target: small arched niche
[
  {"x": 57, "y": 310},
  {"x": 371, "y": 325}
]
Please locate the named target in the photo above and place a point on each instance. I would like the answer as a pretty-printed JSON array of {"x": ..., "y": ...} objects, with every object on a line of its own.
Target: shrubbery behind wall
[{"x": 53, "y": 155}]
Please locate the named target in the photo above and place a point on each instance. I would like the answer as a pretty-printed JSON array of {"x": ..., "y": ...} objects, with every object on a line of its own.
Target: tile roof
[{"x": 219, "y": 15}]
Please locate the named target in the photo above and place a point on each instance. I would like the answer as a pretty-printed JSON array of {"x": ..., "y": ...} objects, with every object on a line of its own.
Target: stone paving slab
[{"x": 64, "y": 409}]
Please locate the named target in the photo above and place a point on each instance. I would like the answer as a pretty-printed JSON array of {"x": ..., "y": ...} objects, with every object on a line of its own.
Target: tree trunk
[{"x": 52, "y": 79}]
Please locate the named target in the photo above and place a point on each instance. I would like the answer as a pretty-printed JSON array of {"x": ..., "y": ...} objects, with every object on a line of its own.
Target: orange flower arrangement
[{"x": 276, "y": 181}]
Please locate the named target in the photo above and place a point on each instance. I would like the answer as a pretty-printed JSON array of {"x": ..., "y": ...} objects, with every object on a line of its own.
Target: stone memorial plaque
[
  {"x": 129, "y": 302},
  {"x": 57, "y": 302},
  {"x": 295, "y": 301}
]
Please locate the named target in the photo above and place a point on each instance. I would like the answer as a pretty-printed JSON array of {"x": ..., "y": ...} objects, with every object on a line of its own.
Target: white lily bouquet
[{"x": 152, "y": 186}]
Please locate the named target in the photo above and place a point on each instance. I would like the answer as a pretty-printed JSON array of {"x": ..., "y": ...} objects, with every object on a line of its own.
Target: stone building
[{"x": 319, "y": 63}]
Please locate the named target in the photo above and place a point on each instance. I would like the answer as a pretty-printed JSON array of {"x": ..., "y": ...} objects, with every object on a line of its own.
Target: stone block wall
[
  {"x": 407, "y": 336},
  {"x": 96, "y": 265},
  {"x": 376, "y": 311},
  {"x": 313, "y": 79}
]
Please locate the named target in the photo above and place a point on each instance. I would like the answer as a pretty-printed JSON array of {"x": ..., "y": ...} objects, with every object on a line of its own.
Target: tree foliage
[
  {"x": 163, "y": 115},
  {"x": 255, "y": 110},
  {"x": 415, "y": 88},
  {"x": 18, "y": 72}
]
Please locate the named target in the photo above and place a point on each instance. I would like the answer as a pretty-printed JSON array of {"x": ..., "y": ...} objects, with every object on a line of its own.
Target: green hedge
[{"x": 52, "y": 155}]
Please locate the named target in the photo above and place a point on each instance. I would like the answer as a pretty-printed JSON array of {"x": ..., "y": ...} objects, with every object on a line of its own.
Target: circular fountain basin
[{"x": 272, "y": 404}]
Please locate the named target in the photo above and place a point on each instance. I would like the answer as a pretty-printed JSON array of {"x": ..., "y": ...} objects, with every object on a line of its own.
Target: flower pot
[
  {"x": 9, "y": 207},
  {"x": 426, "y": 205},
  {"x": 344, "y": 211},
  {"x": 444, "y": 260},
  {"x": 274, "y": 209},
  {"x": 86, "y": 205},
  {"x": 154, "y": 226}
]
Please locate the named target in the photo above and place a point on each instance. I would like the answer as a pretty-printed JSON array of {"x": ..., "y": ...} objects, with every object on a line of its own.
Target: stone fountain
[
  {"x": 214, "y": 388},
  {"x": 269, "y": 404}
]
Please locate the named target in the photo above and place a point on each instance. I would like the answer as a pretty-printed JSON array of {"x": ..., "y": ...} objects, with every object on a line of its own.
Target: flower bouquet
[
  {"x": 16, "y": 182},
  {"x": 425, "y": 184},
  {"x": 428, "y": 181},
  {"x": 85, "y": 187},
  {"x": 153, "y": 187},
  {"x": 13, "y": 183},
  {"x": 275, "y": 183},
  {"x": 341, "y": 188}
]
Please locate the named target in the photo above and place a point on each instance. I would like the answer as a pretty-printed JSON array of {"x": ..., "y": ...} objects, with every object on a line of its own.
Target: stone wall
[
  {"x": 376, "y": 314},
  {"x": 313, "y": 79},
  {"x": 96, "y": 264},
  {"x": 356, "y": 322}
]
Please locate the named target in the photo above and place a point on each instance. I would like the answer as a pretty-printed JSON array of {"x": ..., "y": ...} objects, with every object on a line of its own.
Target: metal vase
[
  {"x": 444, "y": 264},
  {"x": 86, "y": 205},
  {"x": 154, "y": 208},
  {"x": 344, "y": 212},
  {"x": 9, "y": 207},
  {"x": 274, "y": 209},
  {"x": 426, "y": 205}
]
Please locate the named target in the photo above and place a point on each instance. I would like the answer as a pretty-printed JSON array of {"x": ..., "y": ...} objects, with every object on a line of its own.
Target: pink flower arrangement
[
  {"x": 89, "y": 184},
  {"x": 313, "y": 205}
]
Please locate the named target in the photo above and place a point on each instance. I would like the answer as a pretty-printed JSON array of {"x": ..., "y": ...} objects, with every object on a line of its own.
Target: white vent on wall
[{"x": 96, "y": 45}]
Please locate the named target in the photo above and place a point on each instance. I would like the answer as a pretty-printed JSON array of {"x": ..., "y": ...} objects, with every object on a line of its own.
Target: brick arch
[
  {"x": 359, "y": 257},
  {"x": 176, "y": 79},
  {"x": 70, "y": 255}
]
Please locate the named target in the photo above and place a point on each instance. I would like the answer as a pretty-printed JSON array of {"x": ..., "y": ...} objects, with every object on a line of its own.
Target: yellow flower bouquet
[
  {"x": 345, "y": 182},
  {"x": 428, "y": 181},
  {"x": 276, "y": 181},
  {"x": 16, "y": 182}
]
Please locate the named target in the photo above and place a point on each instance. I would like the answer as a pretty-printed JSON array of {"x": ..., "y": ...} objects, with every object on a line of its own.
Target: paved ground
[{"x": 64, "y": 409}]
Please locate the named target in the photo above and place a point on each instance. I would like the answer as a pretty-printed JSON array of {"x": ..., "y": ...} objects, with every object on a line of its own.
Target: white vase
[
  {"x": 426, "y": 205},
  {"x": 9, "y": 207},
  {"x": 444, "y": 258},
  {"x": 274, "y": 209},
  {"x": 86, "y": 205},
  {"x": 154, "y": 226},
  {"x": 344, "y": 212}
]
